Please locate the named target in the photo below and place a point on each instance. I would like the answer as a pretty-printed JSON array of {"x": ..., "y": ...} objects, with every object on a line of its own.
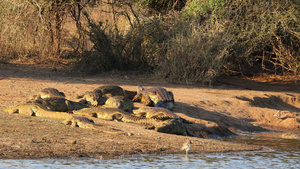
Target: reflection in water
[
  {"x": 228, "y": 160},
  {"x": 269, "y": 139},
  {"x": 285, "y": 154}
]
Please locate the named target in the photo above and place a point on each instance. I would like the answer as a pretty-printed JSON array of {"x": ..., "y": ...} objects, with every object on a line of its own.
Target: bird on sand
[{"x": 186, "y": 146}]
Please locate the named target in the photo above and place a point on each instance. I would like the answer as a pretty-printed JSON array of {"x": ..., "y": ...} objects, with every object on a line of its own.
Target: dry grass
[{"x": 194, "y": 45}]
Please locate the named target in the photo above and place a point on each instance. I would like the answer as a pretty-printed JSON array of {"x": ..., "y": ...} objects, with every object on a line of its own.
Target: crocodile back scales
[
  {"x": 59, "y": 104},
  {"x": 110, "y": 90},
  {"x": 116, "y": 114},
  {"x": 157, "y": 112},
  {"x": 160, "y": 92},
  {"x": 52, "y": 92}
]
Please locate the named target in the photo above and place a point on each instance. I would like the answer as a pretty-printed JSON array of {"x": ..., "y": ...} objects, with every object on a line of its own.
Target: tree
[{"x": 52, "y": 14}]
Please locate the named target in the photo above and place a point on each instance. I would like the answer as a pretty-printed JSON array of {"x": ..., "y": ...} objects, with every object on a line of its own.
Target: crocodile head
[
  {"x": 172, "y": 126},
  {"x": 119, "y": 102},
  {"x": 93, "y": 98}
]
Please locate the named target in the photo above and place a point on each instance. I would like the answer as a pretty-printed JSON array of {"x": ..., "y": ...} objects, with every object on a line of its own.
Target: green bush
[
  {"x": 196, "y": 44},
  {"x": 242, "y": 36},
  {"x": 265, "y": 33},
  {"x": 209, "y": 37}
]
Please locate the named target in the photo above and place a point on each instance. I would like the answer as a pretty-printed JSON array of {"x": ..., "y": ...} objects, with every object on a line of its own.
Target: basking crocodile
[
  {"x": 47, "y": 93},
  {"x": 86, "y": 123},
  {"x": 101, "y": 94},
  {"x": 156, "y": 96},
  {"x": 36, "y": 109},
  {"x": 111, "y": 90},
  {"x": 119, "y": 102},
  {"x": 155, "y": 112},
  {"x": 59, "y": 104},
  {"x": 92, "y": 98},
  {"x": 173, "y": 126},
  {"x": 108, "y": 113}
]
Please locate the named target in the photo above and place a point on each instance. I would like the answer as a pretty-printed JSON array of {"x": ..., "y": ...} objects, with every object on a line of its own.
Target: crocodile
[
  {"x": 155, "y": 112},
  {"x": 48, "y": 93},
  {"x": 111, "y": 90},
  {"x": 86, "y": 123},
  {"x": 156, "y": 96},
  {"x": 36, "y": 109},
  {"x": 59, "y": 104},
  {"x": 158, "y": 113},
  {"x": 111, "y": 114},
  {"x": 172, "y": 126},
  {"x": 92, "y": 98},
  {"x": 119, "y": 102},
  {"x": 99, "y": 95}
]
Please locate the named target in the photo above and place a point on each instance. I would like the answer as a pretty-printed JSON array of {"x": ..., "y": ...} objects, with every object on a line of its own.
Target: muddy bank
[{"x": 228, "y": 109}]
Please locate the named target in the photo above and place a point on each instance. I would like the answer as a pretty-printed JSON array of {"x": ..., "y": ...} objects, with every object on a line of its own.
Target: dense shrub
[
  {"x": 242, "y": 36},
  {"x": 162, "y": 5},
  {"x": 196, "y": 44}
]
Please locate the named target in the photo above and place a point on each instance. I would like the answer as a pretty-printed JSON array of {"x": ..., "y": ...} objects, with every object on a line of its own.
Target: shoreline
[{"x": 218, "y": 111}]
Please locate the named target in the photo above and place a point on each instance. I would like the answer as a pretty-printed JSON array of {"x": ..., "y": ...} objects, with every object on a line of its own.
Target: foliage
[
  {"x": 263, "y": 34},
  {"x": 101, "y": 57},
  {"x": 17, "y": 25},
  {"x": 192, "y": 42},
  {"x": 35, "y": 27},
  {"x": 195, "y": 57},
  {"x": 163, "y": 5},
  {"x": 113, "y": 50}
]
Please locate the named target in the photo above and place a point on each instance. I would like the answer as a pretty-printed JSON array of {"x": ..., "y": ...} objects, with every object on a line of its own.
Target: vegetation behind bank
[{"x": 182, "y": 41}]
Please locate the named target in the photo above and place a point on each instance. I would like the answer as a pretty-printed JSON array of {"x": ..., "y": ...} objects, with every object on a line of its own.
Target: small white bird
[{"x": 186, "y": 146}]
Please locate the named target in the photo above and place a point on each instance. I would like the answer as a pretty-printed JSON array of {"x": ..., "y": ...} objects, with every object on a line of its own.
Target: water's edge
[{"x": 282, "y": 153}]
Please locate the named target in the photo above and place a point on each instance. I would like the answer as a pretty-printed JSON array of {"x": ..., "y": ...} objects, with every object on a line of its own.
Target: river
[{"x": 279, "y": 153}]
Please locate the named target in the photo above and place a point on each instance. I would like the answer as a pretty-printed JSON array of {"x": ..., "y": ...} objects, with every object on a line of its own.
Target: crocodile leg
[{"x": 146, "y": 100}]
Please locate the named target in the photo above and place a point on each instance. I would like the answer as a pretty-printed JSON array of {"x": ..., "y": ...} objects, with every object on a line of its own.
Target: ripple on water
[
  {"x": 285, "y": 154},
  {"x": 271, "y": 159}
]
